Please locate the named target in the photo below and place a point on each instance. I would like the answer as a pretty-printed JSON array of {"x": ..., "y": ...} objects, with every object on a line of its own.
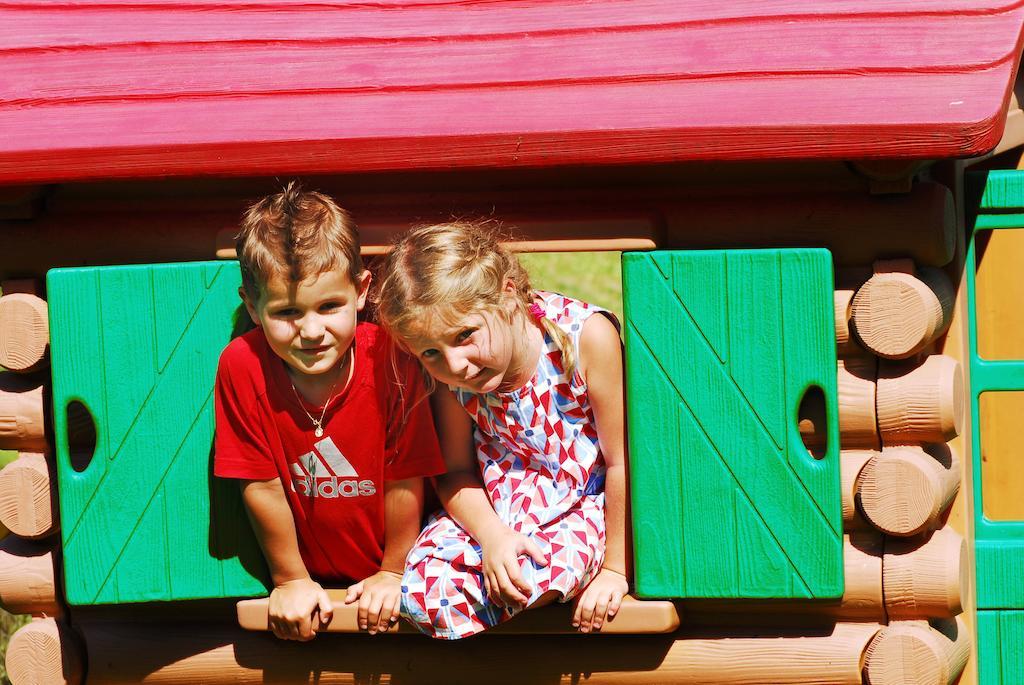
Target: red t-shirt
[{"x": 377, "y": 430}]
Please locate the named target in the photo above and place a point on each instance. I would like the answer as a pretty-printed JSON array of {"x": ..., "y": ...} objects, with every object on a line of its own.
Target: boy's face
[{"x": 310, "y": 325}]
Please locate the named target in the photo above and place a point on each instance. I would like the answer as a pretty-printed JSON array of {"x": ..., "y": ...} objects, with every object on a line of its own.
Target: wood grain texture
[
  {"x": 24, "y": 332},
  {"x": 27, "y": 577},
  {"x": 22, "y": 413},
  {"x": 722, "y": 347},
  {"x": 918, "y": 652},
  {"x": 143, "y": 520},
  {"x": 634, "y": 617},
  {"x": 45, "y": 652},
  {"x": 925, "y": 577},
  {"x": 920, "y": 402},
  {"x": 1000, "y": 659},
  {"x": 905, "y": 490},
  {"x": 896, "y": 314},
  {"x": 241, "y": 89},
  {"x": 28, "y": 496},
  {"x": 167, "y": 653}
]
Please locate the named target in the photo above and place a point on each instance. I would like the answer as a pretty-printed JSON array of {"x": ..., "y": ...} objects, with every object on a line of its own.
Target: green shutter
[
  {"x": 721, "y": 347},
  {"x": 998, "y": 545},
  {"x": 145, "y": 520}
]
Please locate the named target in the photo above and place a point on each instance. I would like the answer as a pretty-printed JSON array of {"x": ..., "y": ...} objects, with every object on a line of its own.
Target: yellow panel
[
  {"x": 1002, "y": 438},
  {"x": 1000, "y": 294}
]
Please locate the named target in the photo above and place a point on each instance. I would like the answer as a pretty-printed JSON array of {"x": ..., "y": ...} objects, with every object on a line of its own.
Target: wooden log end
[
  {"x": 44, "y": 652},
  {"x": 28, "y": 497},
  {"x": 896, "y": 315},
  {"x": 24, "y": 332},
  {"x": 904, "y": 491},
  {"x": 919, "y": 653},
  {"x": 925, "y": 579}
]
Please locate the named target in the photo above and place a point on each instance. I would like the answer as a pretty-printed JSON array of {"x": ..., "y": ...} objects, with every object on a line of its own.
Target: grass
[{"x": 593, "y": 277}]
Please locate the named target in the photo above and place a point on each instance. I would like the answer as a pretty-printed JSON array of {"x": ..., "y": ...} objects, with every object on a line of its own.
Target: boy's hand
[
  {"x": 600, "y": 601},
  {"x": 503, "y": 580},
  {"x": 380, "y": 598},
  {"x": 294, "y": 609}
]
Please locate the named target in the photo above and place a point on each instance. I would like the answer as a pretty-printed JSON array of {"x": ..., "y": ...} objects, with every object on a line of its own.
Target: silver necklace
[{"x": 318, "y": 424}]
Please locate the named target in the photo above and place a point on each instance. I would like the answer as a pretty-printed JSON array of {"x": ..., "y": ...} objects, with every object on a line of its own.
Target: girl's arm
[
  {"x": 296, "y": 599},
  {"x": 600, "y": 357},
  {"x": 379, "y": 596},
  {"x": 463, "y": 496}
]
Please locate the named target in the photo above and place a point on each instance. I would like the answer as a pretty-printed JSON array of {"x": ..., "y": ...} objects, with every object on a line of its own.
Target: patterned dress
[{"x": 544, "y": 474}]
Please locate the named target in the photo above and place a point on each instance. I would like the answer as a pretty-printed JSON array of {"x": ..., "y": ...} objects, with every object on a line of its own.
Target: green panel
[
  {"x": 721, "y": 347},
  {"x": 145, "y": 520},
  {"x": 999, "y": 545},
  {"x": 1000, "y": 657}
]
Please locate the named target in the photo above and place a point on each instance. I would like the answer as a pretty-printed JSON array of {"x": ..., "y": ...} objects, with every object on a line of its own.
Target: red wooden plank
[
  {"x": 910, "y": 115},
  {"x": 41, "y": 25},
  {"x": 283, "y": 87},
  {"x": 826, "y": 46}
]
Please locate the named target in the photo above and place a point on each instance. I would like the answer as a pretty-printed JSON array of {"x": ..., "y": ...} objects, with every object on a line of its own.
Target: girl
[{"x": 539, "y": 513}]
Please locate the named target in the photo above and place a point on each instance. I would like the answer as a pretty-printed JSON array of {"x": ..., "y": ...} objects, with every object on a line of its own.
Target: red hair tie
[{"x": 536, "y": 311}]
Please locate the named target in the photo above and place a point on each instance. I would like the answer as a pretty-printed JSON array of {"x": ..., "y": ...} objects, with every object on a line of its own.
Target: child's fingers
[
  {"x": 387, "y": 611},
  {"x": 511, "y": 582},
  {"x": 354, "y": 592},
  {"x": 326, "y": 607},
  {"x": 600, "y": 612},
  {"x": 586, "y": 609},
  {"x": 304, "y": 629},
  {"x": 493, "y": 589},
  {"x": 373, "y": 613},
  {"x": 535, "y": 552},
  {"x": 363, "y": 611},
  {"x": 613, "y": 606}
]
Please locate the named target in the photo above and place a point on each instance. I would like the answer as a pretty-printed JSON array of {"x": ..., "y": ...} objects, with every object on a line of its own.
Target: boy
[{"x": 324, "y": 427}]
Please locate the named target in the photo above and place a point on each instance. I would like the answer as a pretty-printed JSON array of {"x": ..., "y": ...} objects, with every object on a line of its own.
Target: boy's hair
[
  {"x": 450, "y": 271},
  {"x": 295, "y": 234}
]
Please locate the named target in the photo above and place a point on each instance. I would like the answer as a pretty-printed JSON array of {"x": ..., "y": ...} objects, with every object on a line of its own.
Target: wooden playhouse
[{"x": 819, "y": 212}]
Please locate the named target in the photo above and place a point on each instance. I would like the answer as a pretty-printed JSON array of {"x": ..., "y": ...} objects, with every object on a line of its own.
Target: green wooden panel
[
  {"x": 721, "y": 347},
  {"x": 999, "y": 545},
  {"x": 1000, "y": 657},
  {"x": 145, "y": 520}
]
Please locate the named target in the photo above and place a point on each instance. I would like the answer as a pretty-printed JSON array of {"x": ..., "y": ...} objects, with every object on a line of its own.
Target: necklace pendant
[{"x": 319, "y": 432}]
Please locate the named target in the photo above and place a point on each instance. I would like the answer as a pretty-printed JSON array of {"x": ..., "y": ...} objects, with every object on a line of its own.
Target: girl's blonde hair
[{"x": 453, "y": 270}]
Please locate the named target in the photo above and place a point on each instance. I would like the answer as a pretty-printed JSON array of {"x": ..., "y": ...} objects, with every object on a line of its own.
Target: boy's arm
[
  {"x": 380, "y": 595},
  {"x": 403, "y": 509},
  {"x": 296, "y": 598}
]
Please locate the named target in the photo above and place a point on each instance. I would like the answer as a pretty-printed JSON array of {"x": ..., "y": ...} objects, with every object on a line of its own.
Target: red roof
[{"x": 148, "y": 88}]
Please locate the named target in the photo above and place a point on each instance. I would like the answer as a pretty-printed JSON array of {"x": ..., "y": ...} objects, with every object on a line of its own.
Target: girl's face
[{"x": 477, "y": 353}]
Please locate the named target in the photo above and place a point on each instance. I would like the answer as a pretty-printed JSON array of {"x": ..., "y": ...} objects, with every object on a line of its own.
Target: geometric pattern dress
[{"x": 543, "y": 472}]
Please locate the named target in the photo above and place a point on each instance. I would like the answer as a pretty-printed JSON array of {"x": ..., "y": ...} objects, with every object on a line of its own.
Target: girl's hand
[
  {"x": 600, "y": 601},
  {"x": 380, "y": 598},
  {"x": 293, "y": 607},
  {"x": 503, "y": 580}
]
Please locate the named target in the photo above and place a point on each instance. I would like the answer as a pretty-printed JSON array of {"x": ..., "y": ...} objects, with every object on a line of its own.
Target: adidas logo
[{"x": 325, "y": 472}]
